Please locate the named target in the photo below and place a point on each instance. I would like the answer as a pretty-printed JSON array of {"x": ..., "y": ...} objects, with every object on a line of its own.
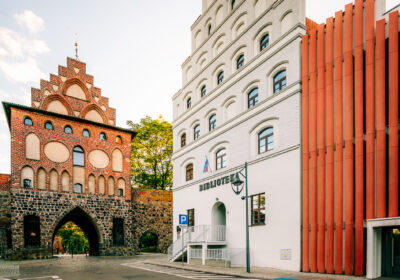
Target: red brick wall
[
  {"x": 19, "y": 131},
  {"x": 5, "y": 182}
]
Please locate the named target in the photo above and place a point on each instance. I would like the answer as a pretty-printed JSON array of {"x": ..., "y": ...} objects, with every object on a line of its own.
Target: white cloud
[
  {"x": 22, "y": 71},
  {"x": 30, "y": 20},
  {"x": 14, "y": 45}
]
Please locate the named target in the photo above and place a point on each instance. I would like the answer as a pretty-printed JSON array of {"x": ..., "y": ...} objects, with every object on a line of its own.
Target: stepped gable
[{"x": 72, "y": 92}]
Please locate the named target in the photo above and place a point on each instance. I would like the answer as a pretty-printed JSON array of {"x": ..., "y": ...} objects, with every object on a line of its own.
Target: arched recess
[
  {"x": 57, "y": 104},
  {"x": 111, "y": 185},
  {"x": 41, "y": 179},
  {"x": 117, "y": 160},
  {"x": 149, "y": 242},
  {"x": 259, "y": 7},
  {"x": 239, "y": 24},
  {"x": 53, "y": 180},
  {"x": 102, "y": 185},
  {"x": 77, "y": 89},
  {"x": 65, "y": 181},
  {"x": 83, "y": 220},
  {"x": 94, "y": 113},
  {"x": 229, "y": 108},
  {"x": 32, "y": 146},
  {"x": 91, "y": 184},
  {"x": 219, "y": 15},
  {"x": 197, "y": 39},
  {"x": 121, "y": 186},
  {"x": 286, "y": 21},
  {"x": 27, "y": 174}
]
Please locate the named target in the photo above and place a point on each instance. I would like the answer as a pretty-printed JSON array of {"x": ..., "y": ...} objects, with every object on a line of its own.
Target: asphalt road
[{"x": 81, "y": 268}]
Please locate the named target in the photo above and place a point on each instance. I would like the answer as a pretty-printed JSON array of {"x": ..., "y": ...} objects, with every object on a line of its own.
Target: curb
[{"x": 254, "y": 276}]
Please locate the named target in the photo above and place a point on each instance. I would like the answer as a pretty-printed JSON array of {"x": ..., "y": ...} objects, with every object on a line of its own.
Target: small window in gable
[
  {"x": 120, "y": 192},
  {"x": 220, "y": 157},
  {"x": 183, "y": 140},
  {"x": 189, "y": 172},
  {"x": 253, "y": 98},
  {"x": 203, "y": 91},
  {"x": 266, "y": 140},
  {"x": 27, "y": 183},
  {"x": 103, "y": 136},
  {"x": 48, "y": 125},
  {"x": 196, "y": 132},
  {"x": 118, "y": 139},
  {"x": 28, "y": 121},
  {"x": 220, "y": 77},
  {"x": 68, "y": 129},
  {"x": 212, "y": 122},
  {"x": 240, "y": 61},
  {"x": 86, "y": 133},
  {"x": 280, "y": 81},
  {"x": 264, "y": 42}
]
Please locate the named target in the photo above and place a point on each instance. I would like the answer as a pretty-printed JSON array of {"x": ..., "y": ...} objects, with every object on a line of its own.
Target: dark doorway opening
[
  {"x": 148, "y": 242},
  {"x": 70, "y": 239},
  {"x": 391, "y": 252},
  {"x": 81, "y": 219}
]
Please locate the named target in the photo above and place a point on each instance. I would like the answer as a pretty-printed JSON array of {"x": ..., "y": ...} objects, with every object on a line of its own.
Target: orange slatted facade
[{"x": 350, "y": 135}]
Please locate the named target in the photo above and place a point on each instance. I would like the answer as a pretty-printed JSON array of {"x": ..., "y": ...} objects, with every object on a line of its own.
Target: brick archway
[{"x": 86, "y": 223}]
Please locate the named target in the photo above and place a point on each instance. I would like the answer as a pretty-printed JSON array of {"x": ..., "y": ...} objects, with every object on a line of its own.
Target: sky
[{"x": 133, "y": 48}]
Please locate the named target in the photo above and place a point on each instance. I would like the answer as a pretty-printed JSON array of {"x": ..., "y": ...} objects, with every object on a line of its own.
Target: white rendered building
[{"x": 240, "y": 102}]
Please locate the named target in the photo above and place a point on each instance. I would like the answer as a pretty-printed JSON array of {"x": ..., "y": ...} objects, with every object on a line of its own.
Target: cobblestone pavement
[{"x": 78, "y": 268}]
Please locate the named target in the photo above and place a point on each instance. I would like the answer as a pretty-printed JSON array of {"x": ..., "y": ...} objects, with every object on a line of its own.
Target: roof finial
[{"x": 76, "y": 46}]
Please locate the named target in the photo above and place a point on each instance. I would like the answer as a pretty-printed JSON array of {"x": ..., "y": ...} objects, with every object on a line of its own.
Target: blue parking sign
[{"x": 183, "y": 219}]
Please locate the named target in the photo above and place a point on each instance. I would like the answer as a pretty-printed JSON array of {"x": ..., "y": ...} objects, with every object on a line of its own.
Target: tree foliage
[
  {"x": 73, "y": 239},
  {"x": 152, "y": 153}
]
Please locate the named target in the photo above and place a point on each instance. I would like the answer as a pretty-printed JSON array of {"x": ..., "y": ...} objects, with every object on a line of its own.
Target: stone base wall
[
  {"x": 152, "y": 212},
  {"x": 52, "y": 207}
]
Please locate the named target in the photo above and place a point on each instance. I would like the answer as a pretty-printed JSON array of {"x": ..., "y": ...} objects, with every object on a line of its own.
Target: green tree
[
  {"x": 152, "y": 153},
  {"x": 73, "y": 238}
]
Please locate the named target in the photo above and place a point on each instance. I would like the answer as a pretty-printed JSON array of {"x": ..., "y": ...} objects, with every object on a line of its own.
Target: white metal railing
[
  {"x": 203, "y": 234},
  {"x": 195, "y": 253},
  {"x": 217, "y": 254}
]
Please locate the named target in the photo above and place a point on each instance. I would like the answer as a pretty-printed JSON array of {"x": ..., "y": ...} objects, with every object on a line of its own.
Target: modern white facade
[{"x": 240, "y": 28}]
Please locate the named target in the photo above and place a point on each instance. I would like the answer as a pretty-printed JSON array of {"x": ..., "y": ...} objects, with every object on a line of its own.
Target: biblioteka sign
[{"x": 217, "y": 182}]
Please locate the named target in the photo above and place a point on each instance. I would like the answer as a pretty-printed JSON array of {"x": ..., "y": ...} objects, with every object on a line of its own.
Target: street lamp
[{"x": 237, "y": 187}]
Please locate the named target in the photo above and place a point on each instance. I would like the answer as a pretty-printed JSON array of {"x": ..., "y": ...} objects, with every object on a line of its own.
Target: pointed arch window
[
  {"x": 48, "y": 125},
  {"x": 189, "y": 103},
  {"x": 220, "y": 159},
  {"x": 212, "y": 122},
  {"x": 280, "y": 81},
  {"x": 209, "y": 29},
  {"x": 232, "y": 4},
  {"x": 189, "y": 172},
  {"x": 28, "y": 121},
  {"x": 203, "y": 91},
  {"x": 79, "y": 156},
  {"x": 118, "y": 139},
  {"x": 220, "y": 77},
  {"x": 266, "y": 140},
  {"x": 252, "y": 98},
  {"x": 240, "y": 61},
  {"x": 264, "y": 42}
]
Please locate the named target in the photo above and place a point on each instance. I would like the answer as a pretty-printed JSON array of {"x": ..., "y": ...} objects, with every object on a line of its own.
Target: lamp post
[{"x": 237, "y": 187}]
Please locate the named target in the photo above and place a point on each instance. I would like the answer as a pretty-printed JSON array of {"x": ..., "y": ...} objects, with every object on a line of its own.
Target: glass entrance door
[{"x": 391, "y": 252}]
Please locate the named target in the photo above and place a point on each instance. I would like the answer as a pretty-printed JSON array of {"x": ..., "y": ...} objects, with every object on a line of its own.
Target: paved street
[{"x": 97, "y": 268}]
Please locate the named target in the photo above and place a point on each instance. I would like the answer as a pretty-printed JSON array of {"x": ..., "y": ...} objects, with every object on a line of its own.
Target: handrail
[{"x": 202, "y": 233}]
